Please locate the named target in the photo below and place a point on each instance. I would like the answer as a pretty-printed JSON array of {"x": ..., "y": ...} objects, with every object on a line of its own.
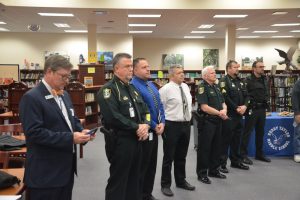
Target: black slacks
[
  {"x": 59, "y": 193},
  {"x": 209, "y": 147},
  {"x": 231, "y": 139},
  {"x": 176, "y": 139},
  {"x": 123, "y": 183},
  {"x": 148, "y": 166},
  {"x": 256, "y": 120}
]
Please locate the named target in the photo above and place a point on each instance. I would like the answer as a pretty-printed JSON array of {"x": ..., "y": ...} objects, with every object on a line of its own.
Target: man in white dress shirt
[{"x": 177, "y": 102}]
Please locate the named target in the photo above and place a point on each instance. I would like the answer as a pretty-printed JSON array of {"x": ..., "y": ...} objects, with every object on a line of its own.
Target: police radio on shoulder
[{"x": 92, "y": 131}]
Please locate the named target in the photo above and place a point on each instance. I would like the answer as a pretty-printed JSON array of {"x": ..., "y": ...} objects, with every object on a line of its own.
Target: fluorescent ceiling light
[
  {"x": 242, "y": 29},
  {"x": 100, "y": 12},
  {"x": 193, "y": 37},
  {"x": 230, "y": 16},
  {"x": 140, "y": 31},
  {"x": 290, "y": 24},
  {"x": 206, "y": 26},
  {"x": 249, "y": 36},
  {"x": 282, "y": 36},
  {"x": 146, "y": 15},
  {"x": 57, "y": 14},
  {"x": 134, "y": 25},
  {"x": 295, "y": 31},
  {"x": 203, "y": 31},
  {"x": 2, "y": 23},
  {"x": 265, "y": 31},
  {"x": 61, "y": 25},
  {"x": 76, "y": 31},
  {"x": 3, "y": 29},
  {"x": 279, "y": 13}
]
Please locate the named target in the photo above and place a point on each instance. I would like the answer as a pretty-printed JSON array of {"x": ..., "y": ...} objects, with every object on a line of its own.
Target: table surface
[
  {"x": 15, "y": 189},
  {"x": 274, "y": 115}
]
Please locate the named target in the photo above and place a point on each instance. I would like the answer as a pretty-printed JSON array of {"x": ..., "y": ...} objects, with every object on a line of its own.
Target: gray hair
[
  {"x": 56, "y": 62},
  {"x": 173, "y": 67},
  {"x": 205, "y": 70},
  {"x": 118, "y": 57}
]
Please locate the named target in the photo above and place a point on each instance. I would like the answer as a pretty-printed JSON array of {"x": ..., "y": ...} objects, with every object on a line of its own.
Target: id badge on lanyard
[{"x": 131, "y": 110}]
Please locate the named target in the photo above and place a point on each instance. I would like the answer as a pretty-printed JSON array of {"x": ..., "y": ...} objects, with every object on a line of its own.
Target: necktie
[
  {"x": 57, "y": 92},
  {"x": 155, "y": 101},
  {"x": 184, "y": 105}
]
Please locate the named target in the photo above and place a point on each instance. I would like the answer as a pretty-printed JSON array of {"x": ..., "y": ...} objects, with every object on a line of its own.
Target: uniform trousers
[
  {"x": 209, "y": 147},
  {"x": 297, "y": 139},
  {"x": 176, "y": 139},
  {"x": 256, "y": 120},
  {"x": 148, "y": 166},
  {"x": 123, "y": 183},
  {"x": 231, "y": 139}
]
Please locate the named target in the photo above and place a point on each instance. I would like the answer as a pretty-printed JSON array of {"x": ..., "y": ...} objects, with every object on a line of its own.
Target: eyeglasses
[{"x": 64, "y": 76}]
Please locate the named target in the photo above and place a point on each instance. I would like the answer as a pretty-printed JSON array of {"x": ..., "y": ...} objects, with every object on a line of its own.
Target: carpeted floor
[{"x": 278, "y": 180}]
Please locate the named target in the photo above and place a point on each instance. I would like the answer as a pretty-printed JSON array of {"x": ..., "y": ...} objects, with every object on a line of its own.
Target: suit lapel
[
  {"x": 52, "y": 102},
  {"x": 68, "y": 110}
]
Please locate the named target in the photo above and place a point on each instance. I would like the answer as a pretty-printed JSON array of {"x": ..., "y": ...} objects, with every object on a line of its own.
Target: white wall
[
  {"x": 15, "y": 47},
  {"x": 152, "y": 49},
  {"x": 115, "y": 42},
  {"x": 265, "y": 47}
]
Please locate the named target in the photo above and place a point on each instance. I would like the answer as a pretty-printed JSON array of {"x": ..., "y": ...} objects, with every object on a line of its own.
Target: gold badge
[
  {"x": 223, "y": 91},
  {"x": 106, "y": 93},
  {"x": 125, "y": 98},
  {"x": 222, "y": 84},
  {"x": 201, "y": 90}
]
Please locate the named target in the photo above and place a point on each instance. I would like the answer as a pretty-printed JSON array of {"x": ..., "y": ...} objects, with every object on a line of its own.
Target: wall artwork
[
  {"x": 171, "y": 60},
  {"x": 247, "y": 61},
  {"x": 51, "y": 53},
  {"x": 105, "y": 57},
  {"x": 211, "y": 57}
]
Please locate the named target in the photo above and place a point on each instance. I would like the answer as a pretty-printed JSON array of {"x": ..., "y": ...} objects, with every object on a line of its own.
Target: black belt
[{"x": 178, "y": 122}]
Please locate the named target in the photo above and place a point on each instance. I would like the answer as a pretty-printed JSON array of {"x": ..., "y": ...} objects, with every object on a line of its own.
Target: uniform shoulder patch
[
  {"x": 201, "y": 90},
  {"x": 106, "y": 93}
]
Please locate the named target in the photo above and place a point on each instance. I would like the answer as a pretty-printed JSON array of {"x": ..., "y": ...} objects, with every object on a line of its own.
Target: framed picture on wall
[
  {"x": 105, "y": 57},
  {"x": 171, "y": 60},
  {"x": 211, "y": 57},
  {"x": 247, "y": 61}
]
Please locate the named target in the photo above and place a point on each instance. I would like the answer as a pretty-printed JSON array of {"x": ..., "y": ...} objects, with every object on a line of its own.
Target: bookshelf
[
  {"x": 281, "y": 85},
  {"x": 85, "y": 103},
  {"x": 95, "y": 71},
  {"x": 31, "y": 77}
]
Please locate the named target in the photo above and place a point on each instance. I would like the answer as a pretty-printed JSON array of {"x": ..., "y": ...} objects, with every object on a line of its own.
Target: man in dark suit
[{"x": 51, "y": 130}]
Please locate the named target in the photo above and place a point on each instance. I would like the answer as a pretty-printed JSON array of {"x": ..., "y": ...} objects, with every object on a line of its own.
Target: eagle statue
[{"x": 287, "y": 58}]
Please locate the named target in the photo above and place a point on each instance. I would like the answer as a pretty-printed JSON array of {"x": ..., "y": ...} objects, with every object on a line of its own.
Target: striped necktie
[
  {"x": 184, "y": 105},
  {"x": 155, "y": 101}
]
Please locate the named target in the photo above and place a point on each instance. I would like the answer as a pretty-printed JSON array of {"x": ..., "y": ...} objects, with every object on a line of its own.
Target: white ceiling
[{"x": 174, "y": 23}]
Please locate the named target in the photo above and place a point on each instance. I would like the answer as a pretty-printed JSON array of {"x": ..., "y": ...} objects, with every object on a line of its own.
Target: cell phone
[{"x": 92, "y": 131}]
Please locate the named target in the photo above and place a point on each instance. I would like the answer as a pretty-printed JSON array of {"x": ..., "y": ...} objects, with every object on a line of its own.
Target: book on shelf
[
  {"x": 88, "y": 81},
  {"x": 89, "y": 97}
]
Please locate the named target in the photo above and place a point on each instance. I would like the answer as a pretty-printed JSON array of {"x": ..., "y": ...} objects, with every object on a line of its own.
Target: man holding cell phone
[{"x": 52, "y": 131}]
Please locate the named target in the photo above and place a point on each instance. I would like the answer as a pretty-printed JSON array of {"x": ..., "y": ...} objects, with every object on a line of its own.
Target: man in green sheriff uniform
[
  {"x": 236, "y": 99},
  {"x": 126, "y": 121},
  {"x": 212, "y": 107}
]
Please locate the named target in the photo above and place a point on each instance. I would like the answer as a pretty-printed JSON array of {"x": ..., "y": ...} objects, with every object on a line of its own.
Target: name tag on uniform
[
  {"x": 150, "y": 136},
  {"x": 131, "y": 112}
]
